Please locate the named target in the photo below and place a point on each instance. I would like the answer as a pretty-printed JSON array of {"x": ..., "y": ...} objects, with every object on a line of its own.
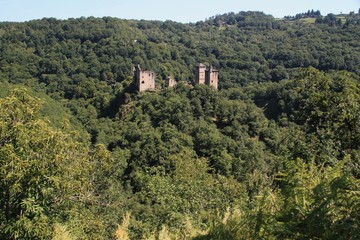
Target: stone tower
[
  {"x": 145, "y": 80},
  {"x": 206, "y": 75},
  {"x": 212, "y": 77},
  {"x": 200, "y": 70}
]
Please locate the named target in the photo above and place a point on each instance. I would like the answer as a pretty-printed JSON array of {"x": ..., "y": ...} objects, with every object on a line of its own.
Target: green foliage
[
  {"x": 331, "y": 105},
  {"x": 45, "y": 172},
  {"x": 32, "y": 156},
  {"x": 314, "y": 203},
  {"x": 320, "y": 202},
  {"x": 61, "y": 233},
  {"x": 188, "y": 191}
]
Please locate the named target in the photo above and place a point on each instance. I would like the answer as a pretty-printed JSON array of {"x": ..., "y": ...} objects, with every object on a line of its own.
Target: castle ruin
[
  {"x": 145, "y": 80},
  {"x": 206, "y": 75},
  {"x": 170, "y": 82}
]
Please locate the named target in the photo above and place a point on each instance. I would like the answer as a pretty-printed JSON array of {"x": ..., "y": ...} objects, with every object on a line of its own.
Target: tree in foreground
[{"x": 43, "y": 171}]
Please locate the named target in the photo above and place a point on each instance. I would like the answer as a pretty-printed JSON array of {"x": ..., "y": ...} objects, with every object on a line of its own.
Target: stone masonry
[
  {"x": 206, "y": 75},
  {"x": 145, "y": 80}
]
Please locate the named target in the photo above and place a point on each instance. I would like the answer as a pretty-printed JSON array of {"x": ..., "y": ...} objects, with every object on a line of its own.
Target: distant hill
[{"x": 245, "y": 47}]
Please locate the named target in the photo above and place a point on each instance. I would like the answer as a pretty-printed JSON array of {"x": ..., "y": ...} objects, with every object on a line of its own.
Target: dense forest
[{"x": 273, "y": 154}]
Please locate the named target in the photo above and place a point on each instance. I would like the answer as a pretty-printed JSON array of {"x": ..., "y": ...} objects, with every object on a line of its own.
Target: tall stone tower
[
  {"x": 145, "y": 80},
  {"x": 212, "y": 77},
  {"x": 206, "y": 75},
  {"x": 200, "y": 70}
]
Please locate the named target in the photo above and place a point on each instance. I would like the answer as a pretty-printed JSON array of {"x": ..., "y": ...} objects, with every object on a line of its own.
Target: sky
[{"x": 181, "y": 10}]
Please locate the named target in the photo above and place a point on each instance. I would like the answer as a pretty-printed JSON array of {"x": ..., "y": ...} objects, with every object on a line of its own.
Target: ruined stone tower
[
  {"x": 206, "y": 75},
  {"x": 212, "y": 77},
  {"x": 170, "y": 82},
  {"x": 145, "y": 80},
  {"x": 200, "y": 73}
]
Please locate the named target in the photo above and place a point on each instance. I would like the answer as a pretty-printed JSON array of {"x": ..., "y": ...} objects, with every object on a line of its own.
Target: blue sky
[{"x": 181, "y": 10}]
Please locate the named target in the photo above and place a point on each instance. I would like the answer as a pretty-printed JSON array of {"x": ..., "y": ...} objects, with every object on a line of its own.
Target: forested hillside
[{"x": 274, "y": 154}]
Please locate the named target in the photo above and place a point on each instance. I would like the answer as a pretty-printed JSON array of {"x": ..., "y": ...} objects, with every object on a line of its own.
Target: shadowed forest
[{"x": 273, "y": 154}]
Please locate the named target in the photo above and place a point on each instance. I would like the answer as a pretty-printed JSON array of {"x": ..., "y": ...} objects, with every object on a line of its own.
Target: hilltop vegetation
[{"x": 274, "y": 154}]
